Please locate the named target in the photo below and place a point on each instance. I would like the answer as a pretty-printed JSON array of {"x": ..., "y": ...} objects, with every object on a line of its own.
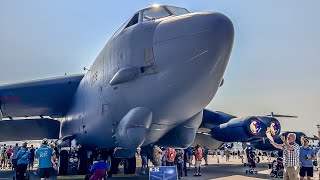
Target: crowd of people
[
  {"x": 297, "y": 160},
  {"x": 181, "y": 158},
  {"x": 21, "y": 158}
]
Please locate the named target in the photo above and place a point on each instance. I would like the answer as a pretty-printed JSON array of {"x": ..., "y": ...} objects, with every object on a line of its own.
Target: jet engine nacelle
[{"x": 246, "y": 129}]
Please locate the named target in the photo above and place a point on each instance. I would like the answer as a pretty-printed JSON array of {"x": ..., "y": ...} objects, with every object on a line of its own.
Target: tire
[
  {"x": 83, "y": 164},
  {"x": 63, "y": 162},
  {"x": 130, "y": 165},
  {"x": 114, "y": 167}
]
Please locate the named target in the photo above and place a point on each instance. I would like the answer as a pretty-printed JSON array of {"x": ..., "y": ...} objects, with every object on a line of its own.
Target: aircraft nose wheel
[
  {"x": 63, "y": 162},
  {"x": 130, "y": 165}
]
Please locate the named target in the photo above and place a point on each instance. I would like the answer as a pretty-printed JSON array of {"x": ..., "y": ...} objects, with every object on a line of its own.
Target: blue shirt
[
  {"x": 44, "y": 154},
  {"x": 99, "y": 165},
  {"x": 24, "y": 156},
  {"x": 303, "y": 153}
]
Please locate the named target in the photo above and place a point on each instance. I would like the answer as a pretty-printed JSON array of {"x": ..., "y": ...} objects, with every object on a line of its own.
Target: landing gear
[
  {"x": 129, "y": 165},
  {"x": 63, "y": 162},
  {"x": 83, "y": 161},
  {"x": 114, "y": 166}
]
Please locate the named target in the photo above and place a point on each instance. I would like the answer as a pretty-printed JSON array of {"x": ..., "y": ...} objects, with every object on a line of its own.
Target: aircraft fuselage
[{"x": 165, "y": 70}]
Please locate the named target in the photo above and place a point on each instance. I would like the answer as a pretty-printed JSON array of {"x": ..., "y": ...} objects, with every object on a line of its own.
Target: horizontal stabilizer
[{"x": 29, "y": 129}]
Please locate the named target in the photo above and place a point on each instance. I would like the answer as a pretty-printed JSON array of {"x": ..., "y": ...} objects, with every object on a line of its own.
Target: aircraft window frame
[
  {"x": 152, "y": 18},
  {"x": 171, "y": 9},
  {"x": 124, "y": 25},
  {"x": 135, "y": 16}
]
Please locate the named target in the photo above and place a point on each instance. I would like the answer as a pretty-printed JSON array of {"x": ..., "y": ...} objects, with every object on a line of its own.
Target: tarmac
[{"x": 219, "y": 171}]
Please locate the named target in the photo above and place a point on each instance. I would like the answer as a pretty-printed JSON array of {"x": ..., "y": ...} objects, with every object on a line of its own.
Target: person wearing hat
[
  {"x": 306, "y": 157},
  {"x": 46, "y": 161},
  {"x": 22, "y": 157}
]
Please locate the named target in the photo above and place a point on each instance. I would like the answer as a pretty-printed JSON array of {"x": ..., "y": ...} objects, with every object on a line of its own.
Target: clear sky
[{"x": 274, "y": 64}]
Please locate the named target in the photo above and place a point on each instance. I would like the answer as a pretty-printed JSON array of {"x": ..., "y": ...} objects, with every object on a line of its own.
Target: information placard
[{"x": 163, "y": 173}]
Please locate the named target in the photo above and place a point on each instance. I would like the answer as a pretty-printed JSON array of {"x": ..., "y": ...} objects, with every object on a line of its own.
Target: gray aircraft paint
[
  {"x": 149, "y": 84},
  {"x": 186, "y": 56}
]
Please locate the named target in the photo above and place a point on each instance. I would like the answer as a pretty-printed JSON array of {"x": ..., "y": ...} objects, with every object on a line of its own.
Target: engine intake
[{"x": 246, "y": 129}]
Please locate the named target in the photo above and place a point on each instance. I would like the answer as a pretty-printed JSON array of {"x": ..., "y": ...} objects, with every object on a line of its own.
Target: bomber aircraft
[{"x": 149, "y": 85}]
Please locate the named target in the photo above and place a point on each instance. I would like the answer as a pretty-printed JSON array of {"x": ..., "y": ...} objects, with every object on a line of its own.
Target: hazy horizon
[{"x": 273, "y": 67}]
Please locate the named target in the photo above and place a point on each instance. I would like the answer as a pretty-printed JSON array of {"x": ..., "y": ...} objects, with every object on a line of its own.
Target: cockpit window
[
  {"x": 155, "y": 13},
  {"x": 177, "y": 10},
  {"x": 134, "y": 20}
]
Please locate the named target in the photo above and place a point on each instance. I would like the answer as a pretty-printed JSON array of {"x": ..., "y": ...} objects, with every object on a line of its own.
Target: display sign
[{"x": 163, "y": 173}]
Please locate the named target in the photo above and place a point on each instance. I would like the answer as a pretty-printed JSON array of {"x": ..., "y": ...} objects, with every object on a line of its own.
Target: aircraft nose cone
[
  {"x": 191, "y": 53},
  {"x": 193, "y": 37}
]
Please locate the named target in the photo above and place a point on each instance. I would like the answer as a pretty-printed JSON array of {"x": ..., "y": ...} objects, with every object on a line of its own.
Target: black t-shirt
[{"x": 32, "y": 150}]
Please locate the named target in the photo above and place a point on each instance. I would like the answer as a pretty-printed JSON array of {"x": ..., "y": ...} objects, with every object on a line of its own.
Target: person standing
[
  {"x": 9, "y": 155},
  {"x": 15, "y": 150},
  {"x": 46, "y": 161},
  {"x": 227, "y": 155},
  {"x": 31, "y": 159},
  {"x": 170, "y": 156},
  {"x": 179, "y": 160},
  {"x": 192, "y": 156},
  {"x": 22, "y": 161},
  {"x": 205, "y": 154},
  {"x": 157, "y": 158},
  {"x": 198, "y": 158},
  {"x": 144, "y": 161},
  {"x": 291, "y": 153},
  {"x": 306, "y": 157},
  {"x": 163, "y": 157},
  {"x": 185, "y": 161},
  {"x": 4, "y": 158},
  {"x": 222, "y": 153}
]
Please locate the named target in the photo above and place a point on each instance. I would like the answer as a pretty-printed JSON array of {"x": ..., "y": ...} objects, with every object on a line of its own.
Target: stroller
[
  {"x": 251, "y": 163},
  {"x": 277, "y": 168}
]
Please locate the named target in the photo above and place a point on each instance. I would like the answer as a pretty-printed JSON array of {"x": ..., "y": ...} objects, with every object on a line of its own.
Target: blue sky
[{"x": 273, "y": 67}]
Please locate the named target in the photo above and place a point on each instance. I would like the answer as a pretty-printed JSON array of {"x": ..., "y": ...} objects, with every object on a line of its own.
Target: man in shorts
[
  {"x": 198, "y": 158},
  {"x": 306, "y": 157},
  {"x": 46, "y": 162},
  {"x": 22, "y": 157}
]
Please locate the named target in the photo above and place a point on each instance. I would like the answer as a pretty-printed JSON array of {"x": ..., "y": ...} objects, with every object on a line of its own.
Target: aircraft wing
[
  {"x": 46, "y": 97},
  {"x": 29, "y": 129}
]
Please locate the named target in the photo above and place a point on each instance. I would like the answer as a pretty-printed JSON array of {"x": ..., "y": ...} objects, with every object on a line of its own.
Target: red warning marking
[{"x": 9, "y": 99}]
